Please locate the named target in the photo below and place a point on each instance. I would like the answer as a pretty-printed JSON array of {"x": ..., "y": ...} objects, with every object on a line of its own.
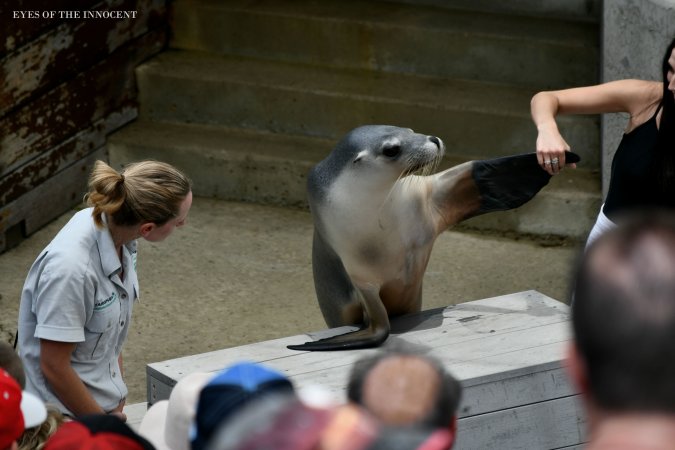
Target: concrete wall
[
  {"x": 635, "y": 34},
  {"x": 574, "y": 9}
]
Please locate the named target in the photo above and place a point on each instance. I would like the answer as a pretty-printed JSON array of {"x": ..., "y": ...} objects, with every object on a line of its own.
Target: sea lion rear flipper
[
  {"x": 511, "y": 181},
  {"x": 362, "y": 338},
  {"x": 483, "y": 186}
]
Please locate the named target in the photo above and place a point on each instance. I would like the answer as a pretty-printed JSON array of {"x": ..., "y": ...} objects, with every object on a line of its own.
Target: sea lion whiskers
[
  {"x": 431, "y": 167},
  {"x": 409, "y": 178},
  {"x": 419, "y": 163},
  {"x": 436, "y": 163}
]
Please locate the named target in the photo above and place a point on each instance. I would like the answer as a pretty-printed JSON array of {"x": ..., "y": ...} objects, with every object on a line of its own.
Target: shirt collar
[{"x": 106, "y": 248}]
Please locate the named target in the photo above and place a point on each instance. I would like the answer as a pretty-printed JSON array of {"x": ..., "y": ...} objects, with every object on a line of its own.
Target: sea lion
[{"x": 375, "y": 222}]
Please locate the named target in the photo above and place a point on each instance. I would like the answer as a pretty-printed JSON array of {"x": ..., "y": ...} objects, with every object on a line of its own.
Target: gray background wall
[{"x": 635, "y": 34}]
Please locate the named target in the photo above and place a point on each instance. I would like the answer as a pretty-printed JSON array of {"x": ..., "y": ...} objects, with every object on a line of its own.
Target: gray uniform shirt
[{"x": 73, "y": 293}]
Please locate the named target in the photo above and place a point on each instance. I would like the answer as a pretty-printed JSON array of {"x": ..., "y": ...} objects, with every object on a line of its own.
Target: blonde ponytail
[{"x": 145, "y": 191}]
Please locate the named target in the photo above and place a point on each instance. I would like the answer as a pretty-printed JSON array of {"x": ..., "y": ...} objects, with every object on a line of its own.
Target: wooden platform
[
  {"x": 135, "y": 413},
  {"x": 507, "y": 351}
]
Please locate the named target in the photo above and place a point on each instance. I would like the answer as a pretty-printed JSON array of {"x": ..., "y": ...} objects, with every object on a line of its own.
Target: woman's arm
[
  {"x": 63, "y": 380},
  {"x": 631, "y": 96}
]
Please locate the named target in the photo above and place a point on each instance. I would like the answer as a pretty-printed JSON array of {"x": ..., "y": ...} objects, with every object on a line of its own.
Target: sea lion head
[
  {"x": 391, "y": 150},
  {"x": 398, "y": 150}
]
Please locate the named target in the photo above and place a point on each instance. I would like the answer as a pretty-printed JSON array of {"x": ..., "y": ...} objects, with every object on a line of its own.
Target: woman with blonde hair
[
  {"x": 78, "y": 297},
  {"x": 35, "y": 438}
]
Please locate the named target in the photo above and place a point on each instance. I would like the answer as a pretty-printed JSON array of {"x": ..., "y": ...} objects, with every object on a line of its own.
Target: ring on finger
[
  {"x": 548, "y": 163},
  {"x": 555, "y": 161}
]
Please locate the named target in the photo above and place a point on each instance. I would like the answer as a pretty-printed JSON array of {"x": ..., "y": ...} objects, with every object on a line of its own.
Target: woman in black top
[{"x": 643, "y": 168}]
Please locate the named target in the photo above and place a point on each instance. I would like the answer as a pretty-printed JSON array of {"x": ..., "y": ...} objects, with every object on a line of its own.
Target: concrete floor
[{"x": 239, "y": 273}]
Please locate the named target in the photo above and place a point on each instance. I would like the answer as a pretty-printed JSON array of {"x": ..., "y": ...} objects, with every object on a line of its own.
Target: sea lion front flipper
[
  {"x": 511, "y": 181},
  {"x": 482, "y": 186},
  {"x": 339, "y": 300},
  {"x": 343, "y": 304}
]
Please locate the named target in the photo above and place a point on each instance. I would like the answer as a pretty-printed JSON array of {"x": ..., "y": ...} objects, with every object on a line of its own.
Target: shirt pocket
[{"x": 99, "y": 334}]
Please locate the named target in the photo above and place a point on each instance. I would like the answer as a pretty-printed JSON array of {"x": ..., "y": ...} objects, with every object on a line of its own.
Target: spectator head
[
  {"x": 400, "y": 387},
  {"x": 18, "y": 411},
  {"x": 284, "y": 422},
  {"x": 415, "y": 438},
  {"x": 97, "y": 432},
  {"x": 229, "y": 391},
  {"x": 37, "y": 436},
  {"x": 11, "y": 362},
  {"x": 623, "y": 318},
  {"x": 167, "y": 423}
]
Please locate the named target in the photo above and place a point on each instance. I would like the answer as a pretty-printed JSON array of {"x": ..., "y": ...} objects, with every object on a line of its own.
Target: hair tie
[{"x": 121, "y": 178}]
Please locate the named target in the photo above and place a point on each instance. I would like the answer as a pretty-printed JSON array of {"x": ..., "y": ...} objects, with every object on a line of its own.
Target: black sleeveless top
[{"x": 631, "y": 185}]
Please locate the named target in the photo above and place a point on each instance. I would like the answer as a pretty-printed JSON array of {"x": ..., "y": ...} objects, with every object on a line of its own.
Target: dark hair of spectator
[
  {"x": 623, "y": 315},
  {"x": 447, "y": 400}
]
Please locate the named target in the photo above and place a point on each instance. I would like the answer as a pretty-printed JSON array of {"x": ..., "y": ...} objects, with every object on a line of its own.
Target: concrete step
[
  {"x": 226, "y": 163},
  {"x": 473, "y": 118},
  {"x": 246, "y": 165},
  {"x": 543, "y": 53}
]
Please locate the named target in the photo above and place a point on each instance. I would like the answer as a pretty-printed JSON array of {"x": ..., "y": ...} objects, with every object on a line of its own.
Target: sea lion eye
[{"x": 392, "y": 151}]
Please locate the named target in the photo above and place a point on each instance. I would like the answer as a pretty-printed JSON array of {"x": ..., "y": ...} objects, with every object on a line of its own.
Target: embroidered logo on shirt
[{"x": 103, "y": 304}]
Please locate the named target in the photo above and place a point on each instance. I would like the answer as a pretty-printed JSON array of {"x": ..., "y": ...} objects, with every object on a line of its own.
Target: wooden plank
[
  {"x": 158, "y": 385},
  {"x": 135, "y": 413},
  {"x": 498, "y": 315},
  {"x": 71, "y": 107},
  {"x": 15, "y": 32},
  {"x": 528, "y": 384},
  {"x": 75, "y": 45},
  {"x": 50, "y": 199},
  {"x": 487, "y": 328},
  {"x": 519, "y": 301},
  {"x": 477, "y": 361},
  {"x": 514, "y": 345},
  {"x": 459, "y": 349},
  {"x": 516, "y": 394},
  {"x": 531, "y": 384},
  {"x": 30, "y": 175},
  {"x": 546, "y": 425},
  {"x": 492, "y": 355},
  {"x": 509, "y": 392},
  {"x": 514, "y": 363},
  {"x": 506, "y": 319}
]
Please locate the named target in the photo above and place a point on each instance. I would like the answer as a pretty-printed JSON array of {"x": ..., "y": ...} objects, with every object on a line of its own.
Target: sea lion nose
[{"x": 436, "y": 141}]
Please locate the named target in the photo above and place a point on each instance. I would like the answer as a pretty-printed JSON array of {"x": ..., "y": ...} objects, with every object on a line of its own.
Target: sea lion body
[
  {"x": 375, "y": 222},
  {"x": 387, "y": 248}
]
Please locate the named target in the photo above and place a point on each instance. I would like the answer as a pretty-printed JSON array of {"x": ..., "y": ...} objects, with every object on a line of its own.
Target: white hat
[
  {"x": 34, "y": 411},
  {"x": 167, "y": 423}
]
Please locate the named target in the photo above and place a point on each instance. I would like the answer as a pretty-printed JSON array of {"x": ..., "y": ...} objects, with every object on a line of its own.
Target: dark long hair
[{"x": 664, "y": 159}]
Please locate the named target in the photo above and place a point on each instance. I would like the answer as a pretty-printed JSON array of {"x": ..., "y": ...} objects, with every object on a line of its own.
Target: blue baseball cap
[{"x": 229, "y": 391}]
